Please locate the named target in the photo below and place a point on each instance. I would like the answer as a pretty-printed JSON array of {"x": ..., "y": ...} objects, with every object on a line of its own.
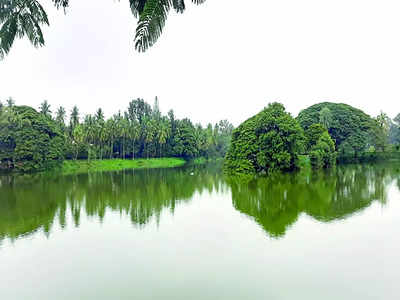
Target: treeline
[{"x": 141, "y": 131}]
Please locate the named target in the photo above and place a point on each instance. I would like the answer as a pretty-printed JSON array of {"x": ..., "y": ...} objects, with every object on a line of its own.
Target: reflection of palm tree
[{"x": 140, "y": 194}]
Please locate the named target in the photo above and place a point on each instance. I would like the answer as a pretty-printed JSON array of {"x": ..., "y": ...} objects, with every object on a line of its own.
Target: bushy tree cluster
[
  {"x": 352, "y": 130},
  {"x": 323, "y": 153},
  {"x": 320, "y": 146},
  {"x": 271, "y": 140},
  {"x": 29, "y": 141}
]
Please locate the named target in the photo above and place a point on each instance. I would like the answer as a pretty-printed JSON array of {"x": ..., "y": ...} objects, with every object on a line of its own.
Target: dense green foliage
[
  {"x": 140, "y": 132},
  {"x": 353, "y": 131},
  {"x": 21, "y": 18},
  {"x": 271, "y": 140},
  {"x": 29, "y": 141},
  {"x": 320, "y": 146},
  {"x": 323, "y": 153}
]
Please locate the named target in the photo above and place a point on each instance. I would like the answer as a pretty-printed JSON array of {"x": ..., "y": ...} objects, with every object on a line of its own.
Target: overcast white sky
[{"x": 225, "y": 59}]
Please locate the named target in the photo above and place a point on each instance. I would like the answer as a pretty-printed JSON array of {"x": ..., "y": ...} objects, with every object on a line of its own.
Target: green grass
[{"x": 83, "y": 166}]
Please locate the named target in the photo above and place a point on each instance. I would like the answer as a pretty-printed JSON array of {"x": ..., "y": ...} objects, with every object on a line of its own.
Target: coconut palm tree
[
  {"x": 164, "y": 133},
  {"x": 111, "y": 134},
  {"x": 74, "y": 120},
  {"x": 10, "y": 102},
  {"x": 20, "y": 18},
  {"x": 45, "y": 108},
  {"x": 134, "y": 132},
  {"x": 60, "y": 115}
]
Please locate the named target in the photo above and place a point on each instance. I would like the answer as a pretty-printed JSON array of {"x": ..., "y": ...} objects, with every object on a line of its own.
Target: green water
[{"x": 191, "y": 233}]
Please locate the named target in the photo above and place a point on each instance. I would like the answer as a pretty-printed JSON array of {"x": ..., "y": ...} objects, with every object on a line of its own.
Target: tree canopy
[
  {"x": 29, "y": 141},
  {"x": 20, "y": 18},
  {"x": 352, "y": 130},
  {"x": 270, "y": 140}
]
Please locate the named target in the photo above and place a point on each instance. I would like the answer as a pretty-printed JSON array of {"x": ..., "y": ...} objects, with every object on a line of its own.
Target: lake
[{"x": 191, "y": 233}]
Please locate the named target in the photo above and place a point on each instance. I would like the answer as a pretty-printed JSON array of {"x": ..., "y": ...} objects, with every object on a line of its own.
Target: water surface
[{"x": 191, "y": 233}]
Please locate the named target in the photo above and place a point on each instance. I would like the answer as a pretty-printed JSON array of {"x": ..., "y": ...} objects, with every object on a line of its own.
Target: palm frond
[
  {"x": 151, "y": 23},
  {"x": 152, "y": 19},
  {"x": 20, "y": 18}
]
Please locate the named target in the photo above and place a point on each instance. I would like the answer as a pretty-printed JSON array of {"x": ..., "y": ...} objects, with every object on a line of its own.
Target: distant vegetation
[
  {"x": 326, "y": 133},
  {"x": 34, "y": 141}
]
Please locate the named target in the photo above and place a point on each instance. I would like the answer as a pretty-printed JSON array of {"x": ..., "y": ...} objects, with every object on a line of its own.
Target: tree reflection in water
[
  {"x": 275, "y": 202},
  {"x": 32, "y": 203}
]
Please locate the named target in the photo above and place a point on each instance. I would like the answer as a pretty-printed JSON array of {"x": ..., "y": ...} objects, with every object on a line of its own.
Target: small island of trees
[{"x": 323, "y": 134}]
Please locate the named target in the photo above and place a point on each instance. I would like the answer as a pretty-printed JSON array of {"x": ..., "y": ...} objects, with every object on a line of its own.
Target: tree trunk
[{"x": 111, "y": 148}]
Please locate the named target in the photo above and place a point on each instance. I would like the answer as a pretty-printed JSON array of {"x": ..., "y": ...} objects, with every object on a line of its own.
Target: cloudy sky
[{"x": 221, "y": 60}]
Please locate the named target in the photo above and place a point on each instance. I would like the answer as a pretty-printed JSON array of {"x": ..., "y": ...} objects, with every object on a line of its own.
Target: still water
[{"x": 191, "y": 233}]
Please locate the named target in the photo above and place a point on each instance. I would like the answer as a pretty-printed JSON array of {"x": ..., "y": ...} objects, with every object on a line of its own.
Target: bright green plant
[{"x": 271, "y": 140}]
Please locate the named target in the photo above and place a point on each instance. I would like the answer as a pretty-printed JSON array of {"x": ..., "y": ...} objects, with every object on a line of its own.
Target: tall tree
[
  {"x": 99, "y": 115},
  {"x": 10, "y": 102},
  {"x": 45, "y": 108},
  {"x": 60, "y": 115},
  {"x": 382, "y": 132},
  {"x": 134, "y": 132},
  {"x": 74, "y": 119},
  {"x": 78, "y": 136},
  {"x": 163, "y": 134}
]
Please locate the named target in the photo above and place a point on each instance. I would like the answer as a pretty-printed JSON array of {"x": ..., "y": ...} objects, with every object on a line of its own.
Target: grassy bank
[{"x": 83, "y": 166}]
